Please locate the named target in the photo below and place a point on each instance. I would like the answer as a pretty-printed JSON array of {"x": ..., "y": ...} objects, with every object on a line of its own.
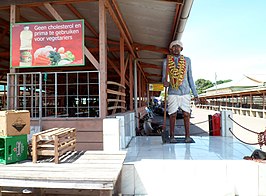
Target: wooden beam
[
  {"x": 86, "y": 51},
  {"x": 122, "y": 69},
  {"x": 114, "y": 66},
  {"x": 103, "y": 58},
  {"x": 131, "y": 83},
  {"x": 150, "y": 66},
  {"x": 123, "y": 23},
  {"x": 96, "y": 39},
  {"x": 116, "y": 107},
  {"x": 41, "y": 12},
  {"x": 58, "y": 2},
  {"x": 4, "y": 22},
  {"x": 116, "y": 100},
  {"x": 139, "y": 47},
  {"x": 4, "y": 67},
  {"x": 122, "y": 60},
  {"x": 109, "y": 49},
  {"x": 116, "y": 69},
  {"x": 116, "y": 21},
  {"x": 4, "y": 54},
  {"x": 153, "y": 81},
  {"x": 175, "y": 1},
  {"x": 3, "y": 34},
  {"x": 28, "y": 3},
  {"x": 91, "y": 58},
  {"x": 140, "y": 68},
  {"x": 54, "y": 13},
  {"x": 11, "y": 104},
  {"x": 139, "y": 89},
  {"x": 153, "y": 75},
  {"x": 117, "y": 84},
  {"x": 19, "y": 18},
  {"x": 115, "y": 92},
  {"x": 126, "y": 65},
  {"x": 87, "y": 24}
]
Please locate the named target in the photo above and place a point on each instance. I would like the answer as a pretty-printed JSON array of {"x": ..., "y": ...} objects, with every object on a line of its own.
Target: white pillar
[
  {"x": 111, "y": 134},
  {"x": 226, "y": 123}
]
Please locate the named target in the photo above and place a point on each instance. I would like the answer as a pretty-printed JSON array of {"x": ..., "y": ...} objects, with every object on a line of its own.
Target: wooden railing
[
  {"x": 260, "y": 113},
  {"x": 116, "y": 97}
]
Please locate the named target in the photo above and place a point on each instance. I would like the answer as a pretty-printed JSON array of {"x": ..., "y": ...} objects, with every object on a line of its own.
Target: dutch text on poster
[{"x": 47, "y": 44}]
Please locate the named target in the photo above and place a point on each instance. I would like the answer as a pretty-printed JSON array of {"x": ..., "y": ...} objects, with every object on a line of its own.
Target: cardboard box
[{"x": 14, "y": 122}]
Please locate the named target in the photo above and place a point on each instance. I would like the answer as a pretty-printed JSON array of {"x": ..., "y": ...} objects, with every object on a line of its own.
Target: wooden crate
[{"x": 53, "y": 142}]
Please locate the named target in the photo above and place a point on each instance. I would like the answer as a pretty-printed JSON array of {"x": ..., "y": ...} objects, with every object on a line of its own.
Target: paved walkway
[{"x": 200, "y": 125}]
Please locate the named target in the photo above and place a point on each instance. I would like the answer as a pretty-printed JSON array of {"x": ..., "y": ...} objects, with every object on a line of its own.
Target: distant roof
[
  {"x": 257, "y": 77},
  {"x": 245, "y": 82}
]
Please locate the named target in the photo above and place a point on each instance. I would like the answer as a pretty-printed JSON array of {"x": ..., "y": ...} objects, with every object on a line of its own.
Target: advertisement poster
[
  {"x": 156, "y": 87},
  {"x": 47, "y": 44}
]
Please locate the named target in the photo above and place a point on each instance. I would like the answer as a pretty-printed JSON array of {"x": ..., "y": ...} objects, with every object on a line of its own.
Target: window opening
[{"x": 56, "y": 94}]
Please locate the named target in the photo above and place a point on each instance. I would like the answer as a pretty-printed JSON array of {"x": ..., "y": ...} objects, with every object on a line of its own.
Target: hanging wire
[
  {"x": 261, "y": 135},
  {"x": 200, "y": 122},
  {"x": 241, "y": 125},
  {"x": 242, "y": 140}
]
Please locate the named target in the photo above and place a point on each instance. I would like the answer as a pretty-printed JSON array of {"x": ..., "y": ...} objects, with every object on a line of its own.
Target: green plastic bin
[{"x": 13, "y": 149}]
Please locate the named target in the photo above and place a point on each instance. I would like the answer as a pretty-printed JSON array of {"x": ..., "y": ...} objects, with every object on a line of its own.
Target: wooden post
[
  {"x": 56, "y": 153},
  {"x": 131, "y": 83},
  {"x": 11, "y": 93},
  {"x": 139, "y": 89},
  {"x": 34, "y": 149},
  {"x": 251, "y": 101},
  {"x": 263, "y": 101},
  {"x": 122, "y": 69},
  {"x": 103, "y": 58}
]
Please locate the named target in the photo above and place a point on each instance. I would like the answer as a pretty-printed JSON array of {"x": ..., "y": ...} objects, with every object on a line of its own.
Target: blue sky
[{"x": 226, "y": 37}]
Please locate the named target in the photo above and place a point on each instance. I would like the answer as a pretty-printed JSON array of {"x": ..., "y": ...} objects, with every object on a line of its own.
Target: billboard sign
[
  {"x": 47, "y": 44},
  {"x": 156, "y": 87}
]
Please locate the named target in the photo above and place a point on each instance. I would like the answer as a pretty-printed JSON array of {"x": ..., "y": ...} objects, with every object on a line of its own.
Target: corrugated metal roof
[{"x": 152, "y": 25}]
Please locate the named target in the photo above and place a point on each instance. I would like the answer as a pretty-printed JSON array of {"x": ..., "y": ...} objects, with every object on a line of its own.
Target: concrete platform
[
  {"x": 210, "y": 166},
  {"x": 213, "y": 165}
]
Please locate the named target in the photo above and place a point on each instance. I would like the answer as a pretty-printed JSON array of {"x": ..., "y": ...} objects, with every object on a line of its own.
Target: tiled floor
[
  {"x": 204, "y": 148},
  {"x": 213, "y": 165},
  {"x": 210, "y": 166}
]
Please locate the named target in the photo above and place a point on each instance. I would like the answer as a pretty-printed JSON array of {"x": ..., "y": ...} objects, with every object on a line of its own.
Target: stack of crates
[{"x": 14, "y": 127}]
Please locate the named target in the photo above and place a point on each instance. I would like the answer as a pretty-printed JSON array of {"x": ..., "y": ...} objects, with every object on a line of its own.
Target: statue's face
[{"x": 176, "y": 50}]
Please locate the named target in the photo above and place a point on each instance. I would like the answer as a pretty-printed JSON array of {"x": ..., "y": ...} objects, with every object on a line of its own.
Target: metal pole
[
  {"x": 8, "y": 92},
  {"x": 148, "y": 94},
  {"x": 40, "y": 101},
  {"x": 135, "y": 93},
  {"x": 16, "y": 90}
]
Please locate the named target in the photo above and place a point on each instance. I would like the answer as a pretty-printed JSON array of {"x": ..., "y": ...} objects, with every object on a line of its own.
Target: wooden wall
[{"x": 89, "y": 131}]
